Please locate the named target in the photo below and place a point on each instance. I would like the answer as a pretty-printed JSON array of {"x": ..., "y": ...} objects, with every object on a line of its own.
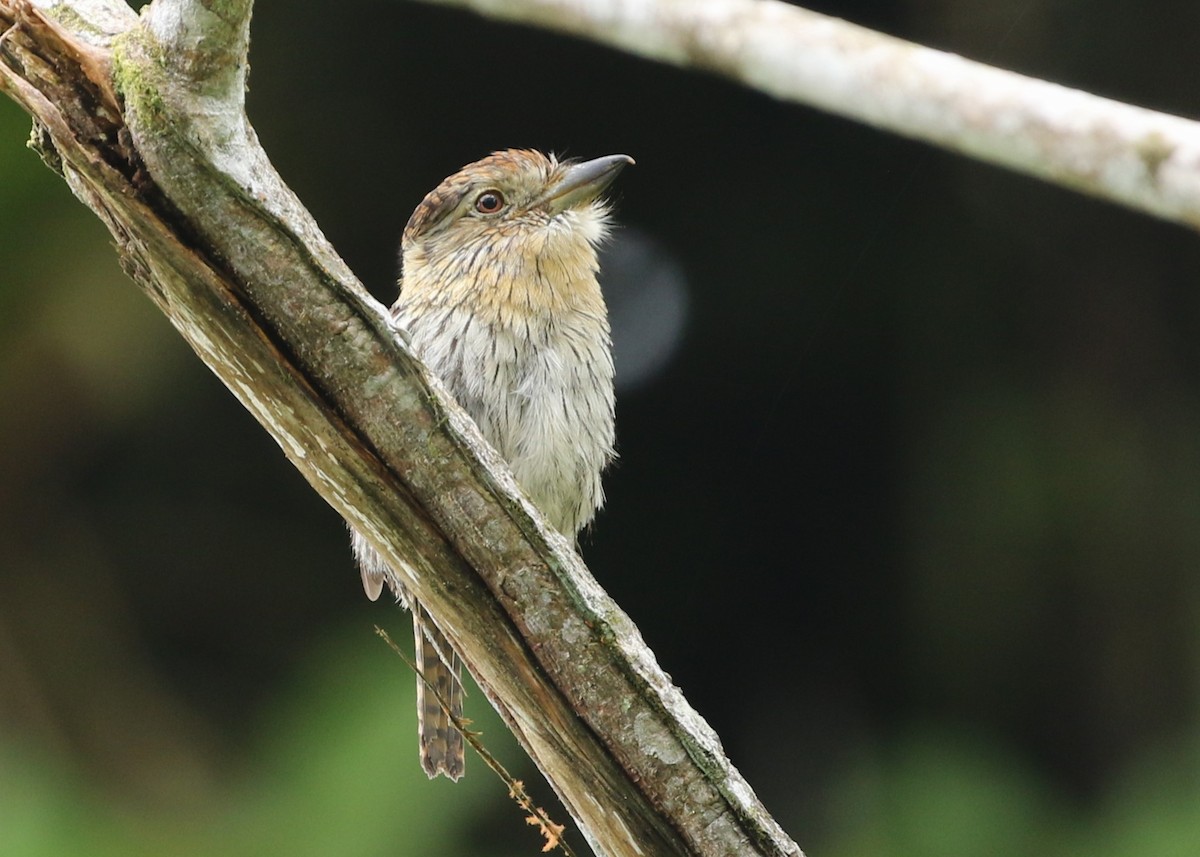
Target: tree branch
[
  {"x": 1146, "y": 160},
  {"x": 145, "y": 121}
]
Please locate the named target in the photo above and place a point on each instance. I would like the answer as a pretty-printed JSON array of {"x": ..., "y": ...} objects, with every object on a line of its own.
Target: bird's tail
[{"x": 441, "y": 742}]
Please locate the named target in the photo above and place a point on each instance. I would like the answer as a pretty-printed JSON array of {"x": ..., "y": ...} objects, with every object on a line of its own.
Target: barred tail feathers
[{"x": 441, "y": 743}]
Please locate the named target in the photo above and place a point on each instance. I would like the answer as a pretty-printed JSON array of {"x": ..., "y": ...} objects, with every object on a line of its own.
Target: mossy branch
[{"x": 145, "y": 120}]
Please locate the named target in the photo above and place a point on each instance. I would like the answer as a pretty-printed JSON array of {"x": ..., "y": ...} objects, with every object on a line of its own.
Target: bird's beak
[{"x": 581, "y": 183}]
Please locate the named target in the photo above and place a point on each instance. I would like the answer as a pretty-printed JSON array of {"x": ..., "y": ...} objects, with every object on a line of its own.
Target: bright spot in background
[{"x": 647, "y": 295}]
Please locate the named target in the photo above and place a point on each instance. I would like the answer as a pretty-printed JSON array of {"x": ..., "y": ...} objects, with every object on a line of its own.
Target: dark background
[{"x": 908, "y": 501}]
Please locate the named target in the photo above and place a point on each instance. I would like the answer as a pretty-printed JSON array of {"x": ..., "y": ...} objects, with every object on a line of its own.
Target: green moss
[
  {"x": 1154, "y": 149},
  {"x": 227, "y": 10},
  {"x": 133, "y": 79},
  {"x": 73, "y": 21},
  {"x": 41, "y": 142}
]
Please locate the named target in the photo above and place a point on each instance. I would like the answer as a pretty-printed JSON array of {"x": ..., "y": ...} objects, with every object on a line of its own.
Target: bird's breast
[{"x": 540, "y": 386}]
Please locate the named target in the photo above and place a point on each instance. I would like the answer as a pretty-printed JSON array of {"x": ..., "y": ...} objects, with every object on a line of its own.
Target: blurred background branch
[{"x": 1146, "y": 160}]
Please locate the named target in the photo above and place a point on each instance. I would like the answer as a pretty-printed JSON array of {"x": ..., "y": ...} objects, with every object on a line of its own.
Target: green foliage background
[{"x": 913, "y": 515}]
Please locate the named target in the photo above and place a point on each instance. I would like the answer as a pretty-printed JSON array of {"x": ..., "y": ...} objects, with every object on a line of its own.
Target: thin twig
[{"x": 537, "y": 816}]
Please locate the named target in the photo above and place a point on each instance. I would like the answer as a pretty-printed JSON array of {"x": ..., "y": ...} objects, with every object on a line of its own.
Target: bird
[{"x": 499, "y": 298}]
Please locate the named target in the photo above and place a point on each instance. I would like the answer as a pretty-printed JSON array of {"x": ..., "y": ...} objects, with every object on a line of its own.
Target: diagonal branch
[
  {"x": 1140, "y": 158},
  {"x": 164, "y": 155}
]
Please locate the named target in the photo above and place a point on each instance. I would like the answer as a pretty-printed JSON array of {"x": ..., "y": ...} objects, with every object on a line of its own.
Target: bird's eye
[{"x": 489, "y": 202}]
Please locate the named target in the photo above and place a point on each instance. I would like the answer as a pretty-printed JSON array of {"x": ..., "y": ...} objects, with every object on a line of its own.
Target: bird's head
[{"x": 516, "y": 214}]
